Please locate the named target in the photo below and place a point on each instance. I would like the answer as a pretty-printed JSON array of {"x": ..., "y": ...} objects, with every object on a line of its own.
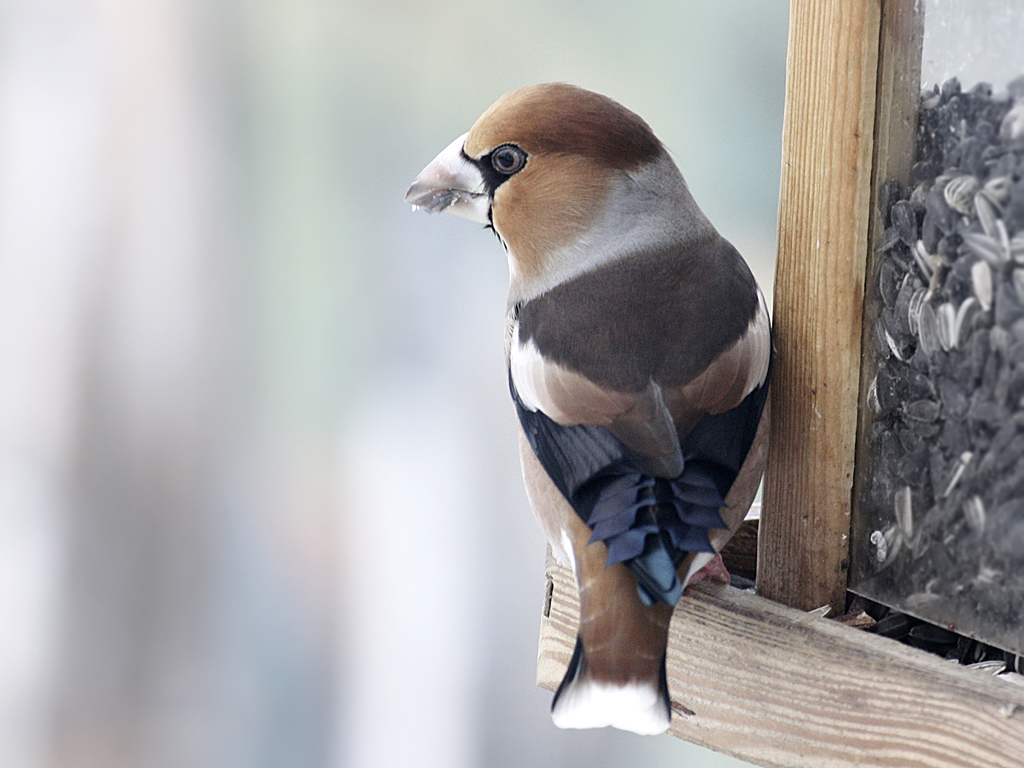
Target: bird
[{"x": 638, "y": 348}]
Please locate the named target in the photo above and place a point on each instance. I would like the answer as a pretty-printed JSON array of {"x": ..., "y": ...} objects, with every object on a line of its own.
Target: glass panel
[{"x": 939, "y": 527}]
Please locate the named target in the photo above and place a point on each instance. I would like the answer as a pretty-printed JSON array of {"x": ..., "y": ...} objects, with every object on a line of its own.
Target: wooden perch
[{"x": 781, "y": 688}]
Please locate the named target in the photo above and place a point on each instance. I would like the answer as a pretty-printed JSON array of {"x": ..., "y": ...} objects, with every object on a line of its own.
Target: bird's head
[{"x": 567, "y": 178}]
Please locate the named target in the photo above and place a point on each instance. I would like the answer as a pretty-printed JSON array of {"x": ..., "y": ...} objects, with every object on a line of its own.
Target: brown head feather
[{"x": 555, "y": 118}]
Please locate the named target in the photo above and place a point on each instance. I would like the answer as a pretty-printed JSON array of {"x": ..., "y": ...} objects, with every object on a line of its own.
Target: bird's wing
[{"x": 640, "y": 420}]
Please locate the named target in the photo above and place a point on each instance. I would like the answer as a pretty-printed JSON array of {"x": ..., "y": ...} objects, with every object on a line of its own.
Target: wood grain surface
[
  {"x": 824, "y": 210},
  {"x": 781, "y": 688}
]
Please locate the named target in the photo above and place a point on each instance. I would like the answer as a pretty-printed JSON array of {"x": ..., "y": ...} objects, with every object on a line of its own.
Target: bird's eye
[{"x": 508, "y": 159}]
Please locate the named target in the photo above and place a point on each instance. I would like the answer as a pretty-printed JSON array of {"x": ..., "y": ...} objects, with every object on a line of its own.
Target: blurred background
[{"x": 260, "y": 500}]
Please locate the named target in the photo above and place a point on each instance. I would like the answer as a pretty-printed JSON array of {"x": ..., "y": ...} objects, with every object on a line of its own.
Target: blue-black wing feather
[{"x": 648, "y": 523}]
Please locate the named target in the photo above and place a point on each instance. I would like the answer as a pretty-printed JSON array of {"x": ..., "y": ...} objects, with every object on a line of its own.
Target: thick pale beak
[{"x": 452, "y": 183}]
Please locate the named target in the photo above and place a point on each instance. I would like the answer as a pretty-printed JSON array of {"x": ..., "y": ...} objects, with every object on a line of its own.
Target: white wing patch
[
  {"x": 524, "y": 363},
  {"x": 563, "y": 396},
  {"x": 640, "y": 420},
  {"x": 736, "y": 372},
  {"x": 760, "y": 331}
]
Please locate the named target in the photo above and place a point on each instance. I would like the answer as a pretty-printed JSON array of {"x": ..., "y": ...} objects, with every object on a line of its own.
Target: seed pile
[
  {"x": 943, "y": 642},
  {"x": 946, "y": 498}
]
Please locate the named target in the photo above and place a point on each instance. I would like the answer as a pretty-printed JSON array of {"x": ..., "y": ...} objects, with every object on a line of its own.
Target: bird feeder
[
  {"x": 939, "y": 505},
  {"x": 896, "y": 471}
]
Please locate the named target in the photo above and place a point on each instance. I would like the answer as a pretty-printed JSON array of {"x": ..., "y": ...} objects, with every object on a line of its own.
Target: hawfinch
[{"x": 638, "y": 346}]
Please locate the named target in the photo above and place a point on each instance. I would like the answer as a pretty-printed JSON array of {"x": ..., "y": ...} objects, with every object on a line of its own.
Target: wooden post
[{"x": 824, "y": 209}]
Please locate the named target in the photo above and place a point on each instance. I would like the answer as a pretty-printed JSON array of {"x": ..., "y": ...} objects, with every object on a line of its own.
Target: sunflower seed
[
  {"x": 1018, "y": 283},
  {"x": 988, "y": 214},
  {"x": 1017, "y": 248},
  {"x": 974, "y": 512},
  {"x": 896, "y": 625},
  {"x": 916, "y": 302},
  {"x": 923, "y": 410},
  {"x": 888, "y": 239},
  {"x": 985, "y": 247},
  {"x": 928, "y": 331},
  {"x": 981, "y": 280},
  {"x": 893, "y": 346},
  {"x": 1012, "y": 127},
  {"x": 945, "y": 317},
  {"x": 958, "y": 471},
  {"x": 873, "y": 403},
  {"x": 963, "y": 315},
  {"x": 923, "y": 259},
  {"x": 1009, "y": 307},
  {"x": 889, "y": 280},
  {"x": 933, "y": 635},
  {"x": 959, "y": 193},
  {"x": 904, "y": 221},
  {"x": 998, "y": 189}
]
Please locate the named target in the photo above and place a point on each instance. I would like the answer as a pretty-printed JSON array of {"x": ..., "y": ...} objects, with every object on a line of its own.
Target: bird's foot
[{"x": 714, "y": 571}]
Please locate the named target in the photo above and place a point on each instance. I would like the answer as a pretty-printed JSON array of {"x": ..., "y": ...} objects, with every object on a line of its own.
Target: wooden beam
[
  {"x": 783, "y": 689},
  {"x": 824, "y": 208}
]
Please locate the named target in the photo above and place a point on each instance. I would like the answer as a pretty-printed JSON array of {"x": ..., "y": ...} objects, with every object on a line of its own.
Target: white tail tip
[{"x": 638, "y": 707}]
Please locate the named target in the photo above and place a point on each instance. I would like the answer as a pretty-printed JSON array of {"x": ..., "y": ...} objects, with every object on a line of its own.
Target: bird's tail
[
  {"x": 584, "y": 700},
  {"x": 617, "y": 673}
]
